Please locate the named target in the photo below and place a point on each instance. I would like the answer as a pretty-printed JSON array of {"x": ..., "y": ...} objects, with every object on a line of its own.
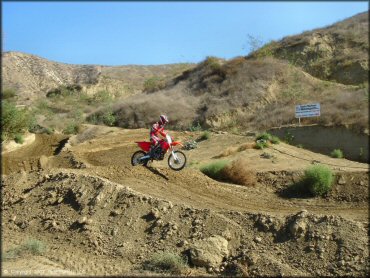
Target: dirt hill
[
  {"x": 339, "y": 52},
  {"x": 260, "y": 91},
  {"x": 89, "y": 212},
  {"x": 33, "y": 77},
  {"x": 246, "y": 94}
]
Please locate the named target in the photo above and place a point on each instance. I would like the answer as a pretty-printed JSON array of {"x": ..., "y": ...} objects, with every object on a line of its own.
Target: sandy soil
[{"x": 58, "y": 182}]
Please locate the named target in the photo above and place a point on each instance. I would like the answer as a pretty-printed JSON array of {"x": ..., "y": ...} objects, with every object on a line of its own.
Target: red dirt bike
[{"x": 176, "y": 160}]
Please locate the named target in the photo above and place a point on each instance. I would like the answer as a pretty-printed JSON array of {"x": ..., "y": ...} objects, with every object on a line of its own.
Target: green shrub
[
  {"x": 33, "y": 246},
  {"x": 261, "y": 144},
  {"x": 214, "y": 169},
  {"x": 288, "y": 137},
  {"x": 263, "y": 139},
  {"x": 102, "y": 96},
  {"x": 337, "y": 153},
  {"x": 274, "y": 139},
  {"x": 204, "y": 136},
  {"x": 64, "y": 91},
  {"x": 318, "y": 179},
  {"x": 8, "y": 93},
  {"x": 265, "y": 136},
  {"x": 167, "y": 262},
  {"x": 212, "y": 62},
  {"x": 14, "y": 121},
  {"x": 153, "y": 84},
  {"x": 108, "y": 118},
  {"x": 72, "y": 128},
  {"x": 49, "y": 130},
  {"x": 267, "y": 50},
  {"x": 195, "y": 127},
  {"x": 18, "y": 138}
]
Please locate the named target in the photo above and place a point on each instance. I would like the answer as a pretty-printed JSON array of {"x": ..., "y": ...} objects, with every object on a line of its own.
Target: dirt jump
[{"x": 99, "y": 215}]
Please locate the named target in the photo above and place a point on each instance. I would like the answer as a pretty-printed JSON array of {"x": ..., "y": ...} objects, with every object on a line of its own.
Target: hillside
[
  {"x": 339, "y": 52},
  {"x": 243, "y": 94},
  {"x": 33, "y": 77},
  {"x": 260, "y": 91},
  {"x": 293, "y": 205}
]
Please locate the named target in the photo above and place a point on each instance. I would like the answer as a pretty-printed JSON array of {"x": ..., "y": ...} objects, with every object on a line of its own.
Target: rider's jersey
[{"x": 157, "y": 129}]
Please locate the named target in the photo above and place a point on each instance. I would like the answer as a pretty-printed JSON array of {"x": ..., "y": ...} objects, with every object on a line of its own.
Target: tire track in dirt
[
  {"x": 27, "y": 158},
  {"x": 111, "y": 160}
]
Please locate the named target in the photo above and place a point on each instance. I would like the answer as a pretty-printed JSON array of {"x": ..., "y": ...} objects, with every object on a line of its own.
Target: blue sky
[{"x": 145, "y": 33}]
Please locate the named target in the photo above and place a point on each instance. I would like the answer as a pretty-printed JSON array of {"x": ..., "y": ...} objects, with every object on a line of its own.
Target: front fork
[{"x": 174, "y": 155}]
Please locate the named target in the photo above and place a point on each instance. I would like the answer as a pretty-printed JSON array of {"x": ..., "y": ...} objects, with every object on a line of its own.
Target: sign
[{"x": 307, "y": 110}]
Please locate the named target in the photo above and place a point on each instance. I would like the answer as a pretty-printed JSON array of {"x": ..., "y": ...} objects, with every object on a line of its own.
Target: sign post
[{"x": 307, "y": 110}]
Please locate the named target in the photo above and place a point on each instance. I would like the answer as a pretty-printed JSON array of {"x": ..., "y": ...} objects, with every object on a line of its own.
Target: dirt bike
[{"x": 176, "y": 160}]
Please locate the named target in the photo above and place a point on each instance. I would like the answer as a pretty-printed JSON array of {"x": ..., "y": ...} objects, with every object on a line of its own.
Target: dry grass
[
  {"x": 245, "y": 93},
  {"x": 239, "y": 172}
]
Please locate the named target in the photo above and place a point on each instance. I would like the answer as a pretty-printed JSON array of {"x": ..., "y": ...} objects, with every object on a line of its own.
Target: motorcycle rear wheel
[
  {"x": 135, "y": 159},
  {"x": 180, "y": 163}
]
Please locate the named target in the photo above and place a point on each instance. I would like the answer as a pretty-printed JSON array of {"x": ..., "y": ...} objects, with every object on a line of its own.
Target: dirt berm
[{"x": 97, "y": 215}]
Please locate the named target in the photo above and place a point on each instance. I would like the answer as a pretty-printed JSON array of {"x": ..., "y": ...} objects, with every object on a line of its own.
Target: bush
[
  {"x": 195, "y": 127},
  {"x": 261, "y": 144},
  {"x": 14, "y": 121},
  {"x": 337, "y": 153},
  {"x": 212, "y": 62},
  {"x": 214, "y": 169},
  {"x": 275, "y": 140},
  {"x": 33, "y": 246},
  {"x": 153, "y": 84},
  {"x": 166, "y": 261},
  {"x": 238, "y": 172},
  {"x": 18, "y": 138},
  {"x": 264, "y": 136},
  {"x": 204, "y": 136},
  {"x": 72, "y": 128},
  {"x": 102, "y": 96},
  {"x": 108, "y": 118},
  {"x": 318, "y": 179},
  {"x": 8, "y": 93}
]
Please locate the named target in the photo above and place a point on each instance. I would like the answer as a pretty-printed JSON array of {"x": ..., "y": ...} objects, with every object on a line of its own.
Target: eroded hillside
[
  {"x": 32, "y": 77},
  {"x": 338, "y": 52}
]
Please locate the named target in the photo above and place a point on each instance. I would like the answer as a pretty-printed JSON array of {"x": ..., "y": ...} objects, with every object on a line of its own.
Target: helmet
[{"x": 163, "y": 119}]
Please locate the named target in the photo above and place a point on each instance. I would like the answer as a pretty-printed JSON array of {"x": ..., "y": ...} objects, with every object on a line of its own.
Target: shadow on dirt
[
  {"x": 295, "y": 190},
  {"x": 155, "y": 171},
  {"x": 60, "y": 146}
]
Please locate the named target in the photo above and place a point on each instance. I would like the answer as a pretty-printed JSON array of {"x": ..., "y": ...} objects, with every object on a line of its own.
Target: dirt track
[
  {"x": 47, "y": 165},
  {"x": 193, "y": 188}
]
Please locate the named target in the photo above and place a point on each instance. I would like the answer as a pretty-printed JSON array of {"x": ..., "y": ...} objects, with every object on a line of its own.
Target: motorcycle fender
[{"x": 177, "y": 143}]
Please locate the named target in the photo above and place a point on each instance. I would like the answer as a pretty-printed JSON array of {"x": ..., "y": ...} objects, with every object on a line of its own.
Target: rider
[{"x": 157, "y": 129}]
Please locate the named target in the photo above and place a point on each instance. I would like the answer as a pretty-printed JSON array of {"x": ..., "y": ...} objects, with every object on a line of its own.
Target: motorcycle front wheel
[
  {"x": 179, "y": 163},
  {"x": 136, "y": 159}
]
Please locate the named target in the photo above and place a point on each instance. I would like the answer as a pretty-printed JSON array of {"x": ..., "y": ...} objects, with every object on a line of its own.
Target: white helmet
[{"x": 163, "y": 119}]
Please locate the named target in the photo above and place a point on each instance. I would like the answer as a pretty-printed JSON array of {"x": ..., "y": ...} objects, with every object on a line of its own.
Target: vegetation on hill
[
  {"x": 327, "y": 65},
  {"x": 338, "y": 52}
]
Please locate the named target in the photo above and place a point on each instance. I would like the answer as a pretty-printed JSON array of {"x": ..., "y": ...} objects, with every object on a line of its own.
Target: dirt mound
[
  {"x": 43, "y": 153},
  {"x": 113, "y": 223},
  {"x": 347, "y": 187},
  {"x": 109, "y": 218}
]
